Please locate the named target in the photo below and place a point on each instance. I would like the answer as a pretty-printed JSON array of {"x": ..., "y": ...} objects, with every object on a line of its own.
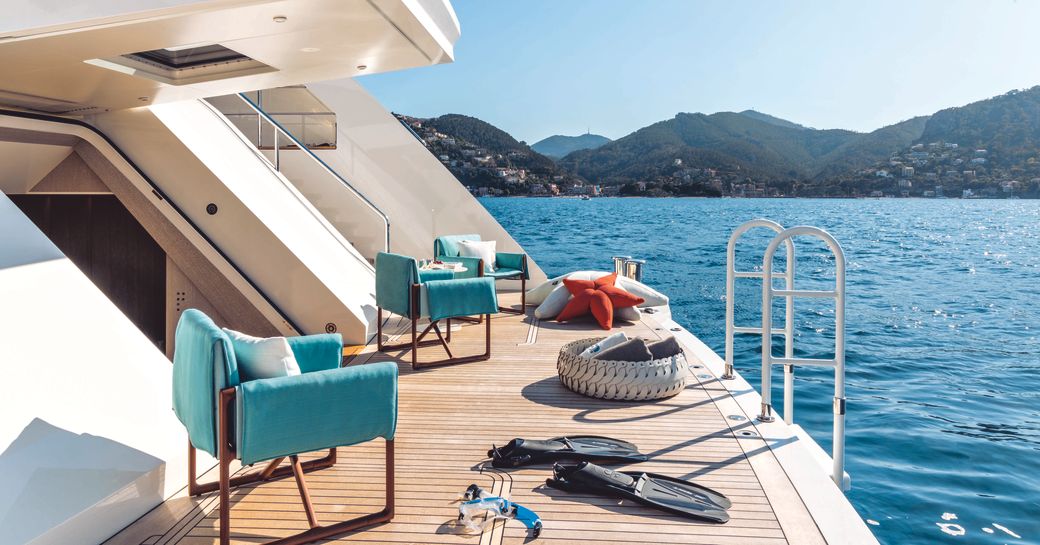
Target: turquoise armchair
[
  {"x": 403, "y": 289},
  {"x": 508, "y": 266},
  {"x": 269, "y": 420}
]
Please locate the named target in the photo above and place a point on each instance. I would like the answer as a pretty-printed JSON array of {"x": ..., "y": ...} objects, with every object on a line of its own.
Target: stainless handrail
[
  {"x": 838, "y": 363},
  {"x": 303, "y": 147}
]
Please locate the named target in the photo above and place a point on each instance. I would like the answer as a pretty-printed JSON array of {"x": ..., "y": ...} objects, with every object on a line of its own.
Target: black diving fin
[
  {"x": 658, "y": 491},
  {"x": 523, "y": 452}
]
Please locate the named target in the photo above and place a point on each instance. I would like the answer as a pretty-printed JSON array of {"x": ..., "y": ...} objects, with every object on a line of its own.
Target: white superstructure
[{"x": 119, "y": 143}]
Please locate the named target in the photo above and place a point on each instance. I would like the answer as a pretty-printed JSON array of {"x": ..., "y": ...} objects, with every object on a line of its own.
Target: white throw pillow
[
  {"x": 651, "y": 297},
  {"x": 484, "y": 249},
  {"x": 553, "y": 304},
  {"x": 628, "y": 314},
  {"x": 606, "y": 343},
  {"x": 260, "y": 357},
  {"x": 536, "y": 295}
]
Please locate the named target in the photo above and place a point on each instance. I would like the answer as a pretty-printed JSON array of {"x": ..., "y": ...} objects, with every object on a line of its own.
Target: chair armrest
[
  {"x": 324, "y": 409},
  {"x": 507, "y": 260},
  {"x": 471, "y": 263},
  {"x": 436, "y": 274},
  {"x": 317, "y": 352}
]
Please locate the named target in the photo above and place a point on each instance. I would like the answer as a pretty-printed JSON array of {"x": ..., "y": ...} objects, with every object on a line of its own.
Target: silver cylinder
[
  {"x": 634, "y": 269},
  {"x": 619, "y": 264}
]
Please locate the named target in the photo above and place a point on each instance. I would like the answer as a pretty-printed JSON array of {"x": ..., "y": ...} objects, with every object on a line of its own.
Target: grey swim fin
[
  {"x": 669, "y": 494},
  {"x": 523, "y": 452}
]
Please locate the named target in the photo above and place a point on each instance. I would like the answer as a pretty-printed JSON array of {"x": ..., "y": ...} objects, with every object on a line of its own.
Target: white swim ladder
[{"x": 785, "y": 237}]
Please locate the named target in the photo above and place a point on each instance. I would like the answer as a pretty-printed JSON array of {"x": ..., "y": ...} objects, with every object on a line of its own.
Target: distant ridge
[
  {"x": 772, "y": 120},
  {"x": 559, "y": 145}
]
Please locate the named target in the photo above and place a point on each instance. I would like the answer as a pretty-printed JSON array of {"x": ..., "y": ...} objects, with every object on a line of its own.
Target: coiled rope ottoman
[{"x": 620, "y": 380}]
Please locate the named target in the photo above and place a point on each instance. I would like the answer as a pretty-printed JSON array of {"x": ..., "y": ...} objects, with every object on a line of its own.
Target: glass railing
[{"x": 314, "y": 130}]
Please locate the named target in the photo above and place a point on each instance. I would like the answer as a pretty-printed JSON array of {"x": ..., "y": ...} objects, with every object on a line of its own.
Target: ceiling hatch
[{"x": 185, "y": 64}]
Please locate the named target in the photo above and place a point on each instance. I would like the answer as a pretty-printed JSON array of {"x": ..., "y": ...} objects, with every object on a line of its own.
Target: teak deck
[{"x": 449, "y": 418}]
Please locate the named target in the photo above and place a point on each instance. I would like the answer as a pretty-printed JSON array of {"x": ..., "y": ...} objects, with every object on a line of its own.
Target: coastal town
[{"x": 948, "y": 170}]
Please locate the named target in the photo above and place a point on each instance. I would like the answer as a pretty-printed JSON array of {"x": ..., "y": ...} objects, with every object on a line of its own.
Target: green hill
[{"x": 726, "y": 140}]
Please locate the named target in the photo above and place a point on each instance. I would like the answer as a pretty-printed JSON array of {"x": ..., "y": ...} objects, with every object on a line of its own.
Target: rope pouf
[{"x": 621, "y": 380}]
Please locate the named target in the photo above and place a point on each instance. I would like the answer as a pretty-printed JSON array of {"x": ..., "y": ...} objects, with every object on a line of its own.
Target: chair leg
[
  {"x": 523, "y": 293},
  {"x": 523, "y": 299},
  {"x": 487, "y": 339},
  {"x": 486, "y": 318},
  {"x": 325, "y": 532},
  {"x": 305, "y": 495},
  {"x": 379, "y": 328},
  {"x": 271, "y": 471},
  {"x": 226, "y": 454},
  {"x": 415, "y": 343},
  {"x": 444, "y": 343},
  {"x": 227, "y": 396}
]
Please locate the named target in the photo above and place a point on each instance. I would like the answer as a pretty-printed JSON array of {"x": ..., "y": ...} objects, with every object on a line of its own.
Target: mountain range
[{"x": 729, "y": 149}]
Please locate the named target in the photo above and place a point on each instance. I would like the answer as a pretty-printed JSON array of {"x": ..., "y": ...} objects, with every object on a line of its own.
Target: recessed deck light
[
  {"x": 143, "y": 99},
  {"x": 310, "y": 49},
  {"x": 280, "y": 18},
  {"x": 362, "y": 67}
]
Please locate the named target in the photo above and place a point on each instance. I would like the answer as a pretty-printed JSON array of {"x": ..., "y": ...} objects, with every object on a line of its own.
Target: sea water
[{"x": 942, "y": 325}]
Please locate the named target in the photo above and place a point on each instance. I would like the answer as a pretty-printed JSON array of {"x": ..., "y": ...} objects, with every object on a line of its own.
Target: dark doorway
[{"x": 100, "y": 236}]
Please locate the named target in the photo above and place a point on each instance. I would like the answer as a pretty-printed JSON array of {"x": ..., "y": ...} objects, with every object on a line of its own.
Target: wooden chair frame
[
  {"x": 523, "y": 287},
  {"x": 443, "y": 340},
  {"x": 226, "y": 454}
]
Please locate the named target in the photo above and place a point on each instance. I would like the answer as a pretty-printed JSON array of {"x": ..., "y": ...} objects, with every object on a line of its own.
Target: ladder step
[
  {"x": 805, "y": 293},
  {"x": 756, "y": 330},
  {"x": 755, "y": 274},
  {"x": 804, "y": 361}
]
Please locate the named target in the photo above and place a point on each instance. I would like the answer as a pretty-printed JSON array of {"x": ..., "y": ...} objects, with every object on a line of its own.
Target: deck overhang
[{"x": 73, "y": 59}]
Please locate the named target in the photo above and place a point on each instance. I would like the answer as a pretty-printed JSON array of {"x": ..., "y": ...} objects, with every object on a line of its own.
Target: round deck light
[
  {"x": 280, "y": 18},
  {"x": 362, "y": 67}
]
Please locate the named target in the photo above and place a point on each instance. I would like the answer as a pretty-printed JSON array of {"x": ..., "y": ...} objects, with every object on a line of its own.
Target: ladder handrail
[
  {"x": 325, "y": 166},
  {"x": 768, "y": 292},
  {"x": 732, "y": 274}
]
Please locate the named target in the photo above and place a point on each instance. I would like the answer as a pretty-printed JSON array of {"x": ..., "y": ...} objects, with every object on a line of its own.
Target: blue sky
[{"x": 540, "y": 67}]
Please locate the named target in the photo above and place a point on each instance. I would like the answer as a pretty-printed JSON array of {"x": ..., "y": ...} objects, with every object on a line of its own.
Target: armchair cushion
[
  {"x": 460, "y": 297},
  {"x": 317, "y": 352},
  {"x": 505, "y": 273},
  {"x": 508, "y": 260},
  {"x": 260, "y": 357},
  {"x": 314, "y": 411}
]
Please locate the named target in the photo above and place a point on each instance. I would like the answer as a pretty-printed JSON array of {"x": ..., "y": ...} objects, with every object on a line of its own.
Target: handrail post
[
  {"x": 766, "y": 414},
  {"x": 838, "y": 440},
  {"x": 789, "y": 335}
]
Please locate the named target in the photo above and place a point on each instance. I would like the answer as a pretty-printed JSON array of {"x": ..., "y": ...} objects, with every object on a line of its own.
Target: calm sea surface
[{"x": 943, "y": 314}]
